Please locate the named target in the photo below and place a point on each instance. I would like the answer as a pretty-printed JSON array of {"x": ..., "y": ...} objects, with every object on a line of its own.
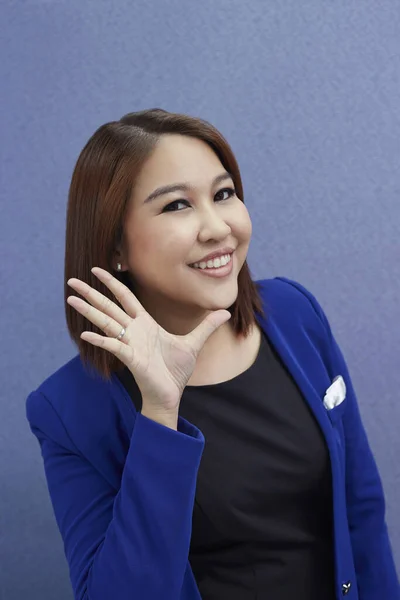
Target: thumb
[{"x": 198, "y": 337}]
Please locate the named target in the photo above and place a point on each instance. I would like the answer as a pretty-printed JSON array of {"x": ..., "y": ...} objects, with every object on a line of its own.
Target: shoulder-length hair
[{"x": 101, "y": 186}]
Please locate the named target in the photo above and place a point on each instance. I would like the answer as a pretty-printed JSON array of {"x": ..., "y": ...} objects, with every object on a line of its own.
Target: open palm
[{"x": 160, "y": 362}]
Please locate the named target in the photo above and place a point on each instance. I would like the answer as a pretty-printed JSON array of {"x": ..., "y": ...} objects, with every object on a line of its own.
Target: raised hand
[{"x": 160, "y": 362}]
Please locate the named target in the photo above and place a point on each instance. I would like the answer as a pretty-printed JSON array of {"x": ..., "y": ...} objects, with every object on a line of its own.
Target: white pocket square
[{"x": 335, "y": 394}]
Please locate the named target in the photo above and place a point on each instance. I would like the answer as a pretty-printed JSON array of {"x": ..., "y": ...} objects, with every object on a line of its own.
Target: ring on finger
[{"x": 121, "y": 334}]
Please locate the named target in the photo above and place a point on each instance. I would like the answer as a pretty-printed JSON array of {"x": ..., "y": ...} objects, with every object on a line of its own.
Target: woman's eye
[
  {"x": 230, "y": 192},
  {"x": 219, "y": 196}
]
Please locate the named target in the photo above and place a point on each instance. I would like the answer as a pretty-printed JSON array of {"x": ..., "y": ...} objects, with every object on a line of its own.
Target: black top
[{"x": 262, "y": 518}]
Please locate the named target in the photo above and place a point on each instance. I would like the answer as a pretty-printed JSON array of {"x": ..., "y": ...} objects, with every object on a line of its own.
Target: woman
[{"x": 206, "y": 441}]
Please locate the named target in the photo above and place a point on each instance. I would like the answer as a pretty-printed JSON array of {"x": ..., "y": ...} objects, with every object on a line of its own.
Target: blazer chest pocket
[{"x": 336, "y": 413}]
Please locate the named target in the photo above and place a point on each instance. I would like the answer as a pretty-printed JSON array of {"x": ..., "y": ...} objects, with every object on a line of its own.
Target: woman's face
[{"x": 161, "y": 240}]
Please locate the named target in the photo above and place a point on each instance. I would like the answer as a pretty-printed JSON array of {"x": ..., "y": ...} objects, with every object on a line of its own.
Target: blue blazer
[{"x": 123, "y": 486}]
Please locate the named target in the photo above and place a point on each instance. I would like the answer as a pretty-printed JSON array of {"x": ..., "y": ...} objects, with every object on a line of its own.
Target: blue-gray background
[{"x": 307, "y": 93}]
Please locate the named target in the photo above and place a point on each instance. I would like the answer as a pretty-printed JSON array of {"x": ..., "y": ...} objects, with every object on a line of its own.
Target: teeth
[{"x": 221, "y": 261}]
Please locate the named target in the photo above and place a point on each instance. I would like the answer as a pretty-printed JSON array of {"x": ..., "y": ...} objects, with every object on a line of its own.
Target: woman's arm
[{"x": 131, "y": 543}]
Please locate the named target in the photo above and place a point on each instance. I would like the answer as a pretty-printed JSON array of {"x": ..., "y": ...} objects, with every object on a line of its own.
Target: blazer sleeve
[
  {"x": 374, "y": 564},
  {"x": 132, "y": 543}
]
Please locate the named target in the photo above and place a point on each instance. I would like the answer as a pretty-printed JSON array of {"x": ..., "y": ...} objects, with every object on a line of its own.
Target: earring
[{"x": 119, "y": 267}]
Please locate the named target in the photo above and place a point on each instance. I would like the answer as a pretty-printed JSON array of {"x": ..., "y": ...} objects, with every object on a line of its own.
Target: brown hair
[{"x": 101, "y": 186}]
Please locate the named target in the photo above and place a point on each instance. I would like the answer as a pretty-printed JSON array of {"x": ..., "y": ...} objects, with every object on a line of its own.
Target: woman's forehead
[{"x": 178, "y": 159}]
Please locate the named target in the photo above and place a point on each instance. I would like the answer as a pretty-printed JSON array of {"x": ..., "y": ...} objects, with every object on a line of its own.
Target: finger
[
  {"x": 198, "y": 337},
  {"x": 122, "y": 293},
  {"x": 102, "y": 321},
  {"x": 120, "y": 350},
  {"x": 99, "y": 301}
]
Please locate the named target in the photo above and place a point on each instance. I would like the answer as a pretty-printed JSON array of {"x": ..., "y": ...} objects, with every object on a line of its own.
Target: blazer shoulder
[
  {"x": 296, "y": 314},
  {"x": 284, "y": 297}
]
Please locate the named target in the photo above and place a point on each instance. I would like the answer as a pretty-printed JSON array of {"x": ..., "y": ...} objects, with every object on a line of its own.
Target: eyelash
[{"x": 231, "y": 191}]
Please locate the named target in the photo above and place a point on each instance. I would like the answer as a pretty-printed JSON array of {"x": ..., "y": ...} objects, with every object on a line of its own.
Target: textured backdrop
[{"x": 307, "y": 93}]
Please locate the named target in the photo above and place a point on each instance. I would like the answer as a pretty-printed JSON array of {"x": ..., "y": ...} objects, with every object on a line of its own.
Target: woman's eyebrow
[{"x": 183, "y": 187}]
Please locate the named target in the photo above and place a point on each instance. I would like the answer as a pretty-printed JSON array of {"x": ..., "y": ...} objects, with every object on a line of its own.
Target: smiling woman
[
  {"x": 198, "y": 458},
  {"x": 155, "y": 192}
]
